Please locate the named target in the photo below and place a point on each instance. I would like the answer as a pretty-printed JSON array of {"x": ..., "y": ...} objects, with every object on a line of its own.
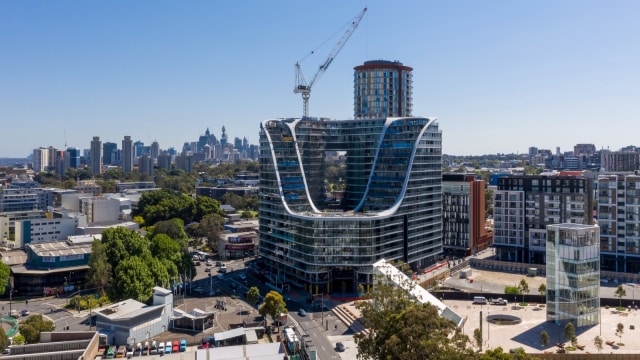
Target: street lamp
[
  {"x": 488, "y": 328},
  {"x": 11, "y": 290}
]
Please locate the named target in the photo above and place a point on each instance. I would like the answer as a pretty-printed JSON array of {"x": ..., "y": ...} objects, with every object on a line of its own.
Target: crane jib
[{"x": 305, "y": 88}]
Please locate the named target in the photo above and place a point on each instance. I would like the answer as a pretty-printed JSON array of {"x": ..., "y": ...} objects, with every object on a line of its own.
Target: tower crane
[{"x": 304, "y": 88}]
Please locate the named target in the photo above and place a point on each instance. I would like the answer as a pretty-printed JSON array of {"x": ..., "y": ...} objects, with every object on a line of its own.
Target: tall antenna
[{"x": 65, "y": 139}]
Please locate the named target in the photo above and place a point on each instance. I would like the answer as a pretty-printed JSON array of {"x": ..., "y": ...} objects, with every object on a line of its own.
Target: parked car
[
  {"x": 161, "y": 347},
  {"x": 301, "y": 312},
  {"x": 167, "y": 347},
  {"x": 183, "y": 345},
  {"x": 500, "y": 301},
  {"x": 176, "y": 346},
  {"x": 207, "y": 269},
  {"x": 340, "y": 347}
]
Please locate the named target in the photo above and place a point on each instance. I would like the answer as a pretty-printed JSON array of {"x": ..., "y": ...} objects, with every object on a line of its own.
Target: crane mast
[{"x": 304, "y": 88}]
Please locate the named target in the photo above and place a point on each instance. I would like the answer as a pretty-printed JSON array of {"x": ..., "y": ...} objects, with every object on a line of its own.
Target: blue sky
[{"x": 499, "y": 75}]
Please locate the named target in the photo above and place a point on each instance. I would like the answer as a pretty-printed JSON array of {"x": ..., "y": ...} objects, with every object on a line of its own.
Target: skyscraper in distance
[
  {"x": 127, "y": 154},
  {"x": 381, "y": 89},
  {"x": 96, "y": 156}
]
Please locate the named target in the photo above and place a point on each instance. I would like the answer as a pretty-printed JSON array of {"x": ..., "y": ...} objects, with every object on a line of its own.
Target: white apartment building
[{"x": 618, "y": 208}]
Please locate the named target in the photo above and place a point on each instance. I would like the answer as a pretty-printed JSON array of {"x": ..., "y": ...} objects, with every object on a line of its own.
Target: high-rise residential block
[
  {"x": 463, "y": 215},
  {"x": 382, "y": 89},
  {"x": 390, "y": 208},
  {"x": 618, "y": 212},
  {"x": 523, "y": 207},
  {"x": 40, "y": 159}
]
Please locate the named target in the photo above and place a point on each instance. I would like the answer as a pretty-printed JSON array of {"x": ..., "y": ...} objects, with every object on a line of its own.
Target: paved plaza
[{"x": 526, "y": 334}]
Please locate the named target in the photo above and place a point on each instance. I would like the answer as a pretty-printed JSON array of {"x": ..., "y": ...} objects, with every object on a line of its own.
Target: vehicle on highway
[
  {"x": 340, "y": 347},
  {"x": 301, "y": 312}
]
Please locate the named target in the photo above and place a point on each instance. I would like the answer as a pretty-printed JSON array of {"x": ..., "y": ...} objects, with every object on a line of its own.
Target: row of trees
[{"x": 175, "y": 179}]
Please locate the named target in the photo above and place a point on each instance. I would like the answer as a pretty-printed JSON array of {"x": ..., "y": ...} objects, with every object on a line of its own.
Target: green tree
[
  {"x": 273, "y": 305},
  {"x": 205, "y": 206},
  {"x": 619, "y": 331},
  {"x": 253, "y": 295},
  {"x": 211, "y": 225},
  {"x": 620, "y": 293},
  {"x": 132, "y": 280},
  {"x": 100, "y": 271},
  {"x": 33, "y": 326},
  {"x": 114, "y": 240},
  {"x": 511, "y": 290},
  {"x": 405, "y": 329},
  {"x": 18, "y": 339},
  {"x": 542, "y": 290},
  {"x": 5, "y": 272},
  {"x": 164, "y": 247},
  {"x": 569, "y": 331},
  {"x": 544, "y": 338},
  {"x": 499, "y": 354},
  {"x": 173, "y": 228},
  {"x": 4, "y": 339},
  {"x": 523, "y": 287},
  {"x": 477, "y": 336},
  {"x": 158, "y": 270},
  {"x": 597, "y": 342}
]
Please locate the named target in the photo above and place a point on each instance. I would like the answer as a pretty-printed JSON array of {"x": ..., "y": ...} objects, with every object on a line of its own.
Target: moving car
[
  {"x": 340, "y": 347},
  {"x": 301, "y": 312},
  {"x": 24, "y": 312}
]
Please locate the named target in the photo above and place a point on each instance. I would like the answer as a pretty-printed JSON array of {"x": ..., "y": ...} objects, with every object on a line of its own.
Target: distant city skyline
[{"x": 500, "y": 76}]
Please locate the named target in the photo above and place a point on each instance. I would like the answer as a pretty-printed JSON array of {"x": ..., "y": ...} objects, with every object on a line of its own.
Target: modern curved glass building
[{"x": 391, "y": 206}]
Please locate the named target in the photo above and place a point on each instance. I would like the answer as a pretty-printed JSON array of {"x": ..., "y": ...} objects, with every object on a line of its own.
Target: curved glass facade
[{"x": 391, "y": 207}]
